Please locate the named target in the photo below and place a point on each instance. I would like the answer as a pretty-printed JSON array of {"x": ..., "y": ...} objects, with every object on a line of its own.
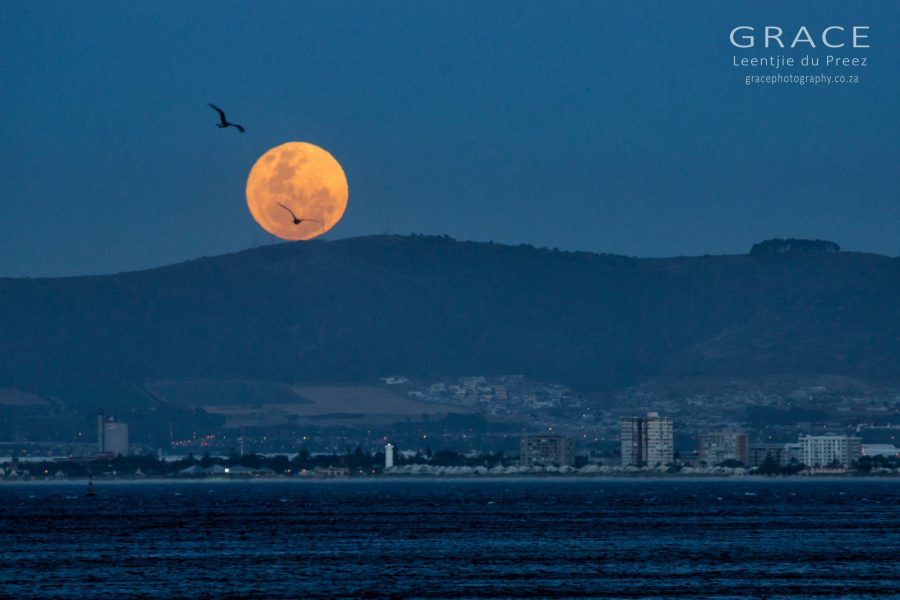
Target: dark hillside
[{"x": 357, "y": 309}]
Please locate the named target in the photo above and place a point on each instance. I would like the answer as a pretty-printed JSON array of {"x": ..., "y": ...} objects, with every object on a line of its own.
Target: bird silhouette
[
  {"x": 225, "y": 122},
  {"x": 297, "y": 220}
]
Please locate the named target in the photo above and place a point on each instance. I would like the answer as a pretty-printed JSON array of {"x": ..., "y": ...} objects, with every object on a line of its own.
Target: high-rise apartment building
[
  {"x": 826, "y": 450},
  {"x": 112, "y": 436},
  {"x": 716, "y": 448},
  {"x": 547, "y": 450},
  {"x": 646, "y": 441}
]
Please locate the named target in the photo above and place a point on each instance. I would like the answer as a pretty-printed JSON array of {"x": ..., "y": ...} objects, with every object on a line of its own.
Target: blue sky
[{"x": 603, "y": 126}]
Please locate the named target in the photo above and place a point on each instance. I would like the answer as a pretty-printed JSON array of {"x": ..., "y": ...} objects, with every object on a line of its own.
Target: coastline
[{"x": 447, "y": 479}]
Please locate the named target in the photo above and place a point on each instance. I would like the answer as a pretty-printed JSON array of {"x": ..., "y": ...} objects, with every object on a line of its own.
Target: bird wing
[
  {"x": 220, "y": 111},
  {"x": 287, "y": 209},
  {"x": 241, "y": 129}
]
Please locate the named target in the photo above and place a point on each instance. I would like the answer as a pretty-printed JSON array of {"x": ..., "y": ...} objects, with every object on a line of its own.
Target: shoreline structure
[{"x": 674, "y": 477}]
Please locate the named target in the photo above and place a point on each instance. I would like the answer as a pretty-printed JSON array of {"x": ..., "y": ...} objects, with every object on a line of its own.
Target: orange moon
[{"x": 297, "y": 191}]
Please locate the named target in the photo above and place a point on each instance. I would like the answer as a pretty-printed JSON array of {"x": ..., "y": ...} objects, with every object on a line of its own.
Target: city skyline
[{"x": 508, "y": 298}]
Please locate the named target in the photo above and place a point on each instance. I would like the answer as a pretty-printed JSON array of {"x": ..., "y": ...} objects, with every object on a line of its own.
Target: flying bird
[
  {"x": 297, "y": 220},
  {"x": 225, "y": 122}
]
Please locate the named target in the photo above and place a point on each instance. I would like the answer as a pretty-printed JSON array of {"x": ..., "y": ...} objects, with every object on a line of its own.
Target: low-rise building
[
  {"x": 331, "y": 472},
  {"x": 793, "y": 453},
  {"x": 886, "y": 450}
]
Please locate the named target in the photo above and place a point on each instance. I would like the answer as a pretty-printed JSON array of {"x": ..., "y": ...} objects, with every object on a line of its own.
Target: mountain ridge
[{"x": 355, "y": 309}]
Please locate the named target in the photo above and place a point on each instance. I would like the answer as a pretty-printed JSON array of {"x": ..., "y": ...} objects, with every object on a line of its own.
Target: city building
[
  {"x": 388, "y": 455},
  {"x": 793, "y": 453},
  {"x": 547, "y": 450},
  {"x": 112, "y": 436},
  {"x": 646, "y": 441},
  {"x": 325, "y": 472},
  {"x": 759, "y": 453},
  {"x": 827, "y": 450},
  {"x": 887, "y": 450},
  {"x": 716, "y": 448}
]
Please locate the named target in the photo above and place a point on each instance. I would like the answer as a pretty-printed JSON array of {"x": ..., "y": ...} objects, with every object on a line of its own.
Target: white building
[
  {"x": 888, "y": 450},
  {"x": 646, "y": 441},
  {"x": 388, "y": 455},
  {"x": 112, "y": 436},
  {"x": 825, "y": 450}
]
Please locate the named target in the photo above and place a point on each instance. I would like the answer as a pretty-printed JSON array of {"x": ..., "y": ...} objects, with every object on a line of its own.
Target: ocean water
[{"x": 444, "y": 539}]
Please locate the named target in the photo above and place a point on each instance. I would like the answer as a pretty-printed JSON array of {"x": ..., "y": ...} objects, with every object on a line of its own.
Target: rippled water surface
[{"x": 426, "y": 539}]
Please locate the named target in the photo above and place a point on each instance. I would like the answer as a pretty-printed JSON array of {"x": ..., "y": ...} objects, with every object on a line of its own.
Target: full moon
[{"x": 297, "y": 191}]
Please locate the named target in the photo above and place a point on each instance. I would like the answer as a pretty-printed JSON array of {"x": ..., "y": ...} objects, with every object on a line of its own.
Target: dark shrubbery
[{"x": 794, "y": 246}]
